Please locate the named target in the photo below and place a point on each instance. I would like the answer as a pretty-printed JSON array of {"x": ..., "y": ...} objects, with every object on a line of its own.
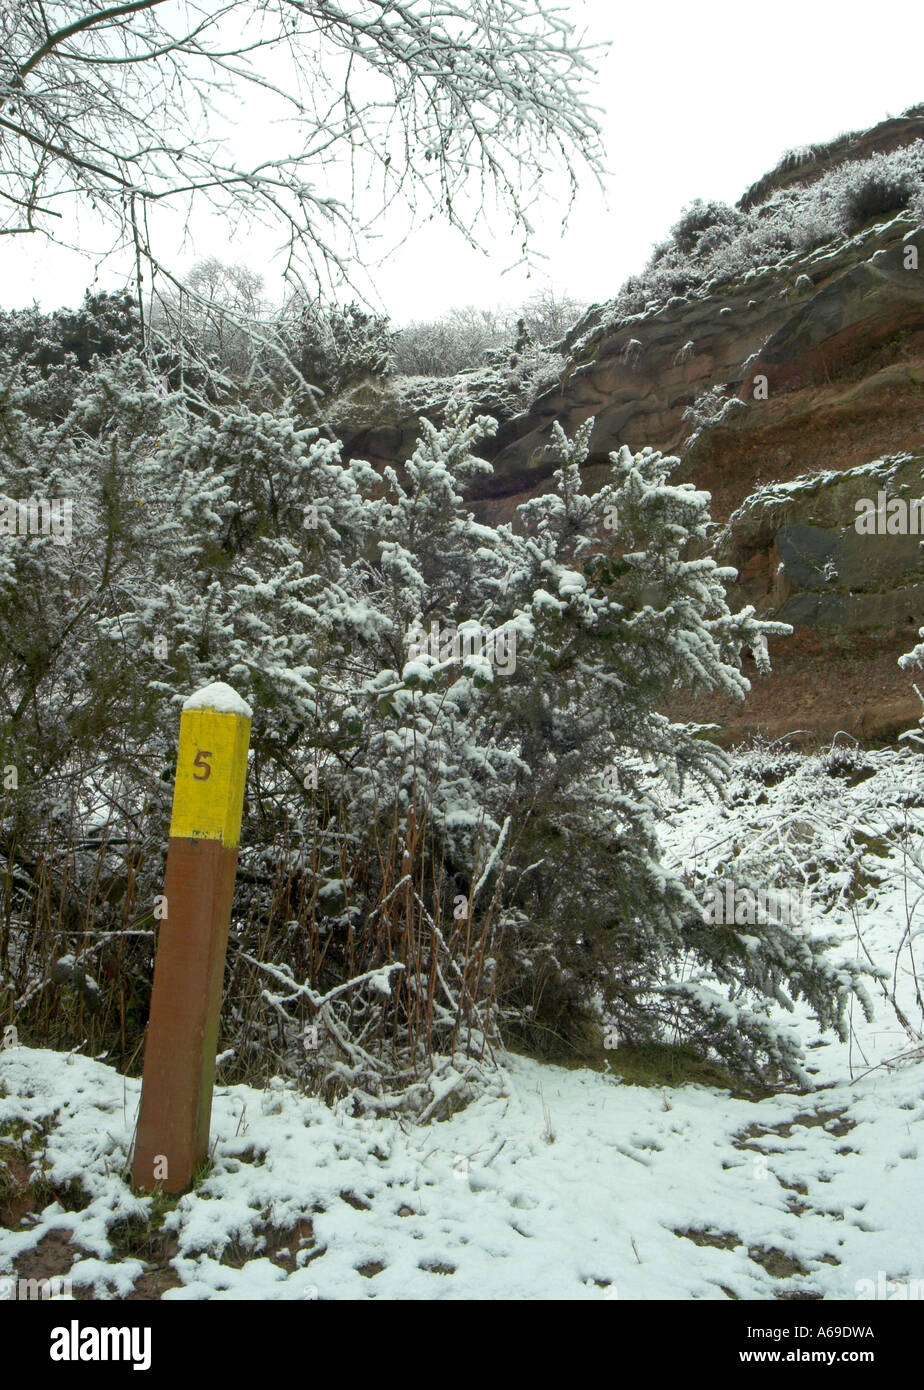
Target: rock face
[
  {"x": 840, "y": 552},
  {"x": 822, "y": 361},
  {"x": 818, "y": 364},
  {"x": 839, "y": 556},
  {"x": 833, "y": 348}
]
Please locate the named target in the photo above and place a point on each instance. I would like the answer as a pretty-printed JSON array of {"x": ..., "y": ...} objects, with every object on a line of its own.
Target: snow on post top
[{"x": 221, "y": 697}]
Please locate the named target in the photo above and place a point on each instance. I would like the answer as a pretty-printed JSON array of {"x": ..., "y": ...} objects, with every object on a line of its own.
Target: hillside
[{"x": 779, "y": 341}]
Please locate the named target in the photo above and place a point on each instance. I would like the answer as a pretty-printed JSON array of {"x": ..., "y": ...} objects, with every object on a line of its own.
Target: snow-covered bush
[
  {"x": 712, "y": 244},
  {"x": 880, "y": 187},
  {"x": 335, "y": 346},
  {"x": 461, "y": 338},
  {"x": 103, "y": 325},
  {"x": 51, "y": 349},
  {"x": 835, "y": 830},
  {"x": 442, "y": 846},
  {"x": 689, "y": 230}
]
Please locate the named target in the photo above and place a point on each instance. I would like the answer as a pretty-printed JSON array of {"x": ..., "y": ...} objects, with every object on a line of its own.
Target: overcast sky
[{"x": 698, "y": 101}]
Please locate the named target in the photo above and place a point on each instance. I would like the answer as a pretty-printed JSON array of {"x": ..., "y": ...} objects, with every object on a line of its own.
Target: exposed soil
[{"x": 817, "y": 688}]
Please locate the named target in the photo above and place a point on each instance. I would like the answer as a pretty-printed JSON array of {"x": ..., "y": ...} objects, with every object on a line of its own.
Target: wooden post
[{"x": 179, "y": 1062}]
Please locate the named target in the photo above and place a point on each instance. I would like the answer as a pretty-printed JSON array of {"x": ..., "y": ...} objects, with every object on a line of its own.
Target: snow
[
  {"x": 557, "y": 1184},
  {"x": 551, "y": 1183},
  {"x": 418, "y": 672},
  {"x": 554, "y": 1183},
  {"x": 221, "y": 697}
]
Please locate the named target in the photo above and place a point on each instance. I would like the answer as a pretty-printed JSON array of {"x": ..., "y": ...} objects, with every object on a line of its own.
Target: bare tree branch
[
  {"x": 90, "y": 21},
  {"x": 433, "y": 105}
]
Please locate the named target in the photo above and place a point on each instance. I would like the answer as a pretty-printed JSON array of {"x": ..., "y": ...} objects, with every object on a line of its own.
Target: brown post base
[{"x": 179, "y": 1064}]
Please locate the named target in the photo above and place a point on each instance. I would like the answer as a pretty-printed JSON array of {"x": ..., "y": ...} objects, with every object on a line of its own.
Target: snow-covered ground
[
  {"x": 556, "y": 1183},
  {"x": 564, "y": 1184}
]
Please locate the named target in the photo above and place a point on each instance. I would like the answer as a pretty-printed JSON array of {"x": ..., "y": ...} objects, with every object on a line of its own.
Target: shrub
[
  {"x": 428, "y": 841},
  {"x": 335, "y": 347},
  {"x": 878, "y": 191},
  {"x": 464, "y": 337},
  {"x": 698, "y": 218},
  {"x": 713, "y": 243},
  {"x": 103, "y": 325}
]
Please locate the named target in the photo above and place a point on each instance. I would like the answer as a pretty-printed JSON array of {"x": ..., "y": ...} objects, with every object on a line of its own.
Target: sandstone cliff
[{"x": 789, "y": 392}]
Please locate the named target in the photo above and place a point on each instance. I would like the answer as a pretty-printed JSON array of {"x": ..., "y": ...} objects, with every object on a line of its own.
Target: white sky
[{"x": 698, "y": 100}]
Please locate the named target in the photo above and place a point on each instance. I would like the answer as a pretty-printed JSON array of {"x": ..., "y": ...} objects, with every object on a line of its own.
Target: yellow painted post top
[{"x": 208, "y": 797}]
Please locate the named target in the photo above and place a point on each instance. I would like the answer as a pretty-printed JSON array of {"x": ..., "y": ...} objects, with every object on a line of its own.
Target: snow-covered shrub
[
  {"x": 712, "y": 244},
  {"x": 880, "y": 187},
  {"x": 335, "y": 346},
  {"x": 696, "y": 221},
  {"x": 833, "y": 830},
  {"x": 710, "y": 408},
  {"x": 103, "y": 325},
  {"x": 614, "y": 935},
  {"x": 50, "y": 350},
  {"x": 440, "y": 849},
  {"x": 460, "y": 339}
]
